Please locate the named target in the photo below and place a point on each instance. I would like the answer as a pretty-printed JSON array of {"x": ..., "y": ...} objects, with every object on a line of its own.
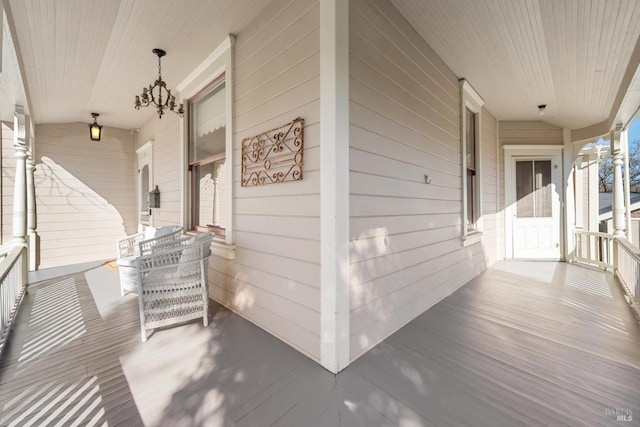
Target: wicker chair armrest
[{"x": 128, "y": 246}]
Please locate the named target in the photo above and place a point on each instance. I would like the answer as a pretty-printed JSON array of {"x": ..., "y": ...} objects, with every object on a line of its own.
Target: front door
[
  {"x": 144, "y": 183},
  {"x": 536, "y": 207}
]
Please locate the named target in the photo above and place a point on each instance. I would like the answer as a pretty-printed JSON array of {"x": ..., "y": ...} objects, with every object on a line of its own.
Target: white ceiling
[
  {"x": 83, "y": 56},
  {"x": 80, "y": 56},
  {"x": 568, "y": 54}
]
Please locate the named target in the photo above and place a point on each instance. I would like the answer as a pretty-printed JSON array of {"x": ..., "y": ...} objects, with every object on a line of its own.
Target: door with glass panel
[
  {"x": 144, "y": 183},
  {"x": 536, "y": 211}
]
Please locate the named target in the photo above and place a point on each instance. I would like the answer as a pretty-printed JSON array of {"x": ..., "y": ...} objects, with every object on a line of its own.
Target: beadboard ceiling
[
  {"x": 81, "y": 56},
  {"x": 571, "y": 55},
  {"x": 576, "y": 56}
]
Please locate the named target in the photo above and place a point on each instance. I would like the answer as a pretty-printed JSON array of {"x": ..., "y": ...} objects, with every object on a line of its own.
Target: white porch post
[
  {"x": 32, "y": 234},
  {"x": 624, "y": 144},
  {"x": 618, "y": 189},
  {"x": 334, "y": 184},
  {"x": 20, "y": 183},
  {"x": 568, "y": 195},
  {"x": 216, "y": 195}
]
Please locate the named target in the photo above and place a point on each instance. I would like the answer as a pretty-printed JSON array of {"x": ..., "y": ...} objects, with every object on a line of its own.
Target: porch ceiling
[
  {"x": 81, "y": 56},
  {"x": 577, "y": 57}
]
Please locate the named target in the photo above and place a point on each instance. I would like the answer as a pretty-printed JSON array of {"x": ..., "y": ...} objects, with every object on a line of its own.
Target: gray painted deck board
[{"x": 524, "y": 343}]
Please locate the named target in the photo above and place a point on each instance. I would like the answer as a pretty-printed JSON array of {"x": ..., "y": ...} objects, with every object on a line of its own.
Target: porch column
[
  {"x": 334, "y": 184},
  {"x": 216, "y": 194},
  {"x": 568, "y": 195},
  {"x": 618, "y": 189},
  {"x": 20, "y": 183},
  {"x": 624, "y": 146},
  {"x": 32, "y": 235}
]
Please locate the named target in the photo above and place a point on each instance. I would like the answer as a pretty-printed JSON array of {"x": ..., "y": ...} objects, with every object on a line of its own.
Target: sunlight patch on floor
[
  {"x": 587, "y": 281},
  {"x": 56, "y": 404},
  {"x": 104, "y": 284},
  {"x": 56, "y": 320}
]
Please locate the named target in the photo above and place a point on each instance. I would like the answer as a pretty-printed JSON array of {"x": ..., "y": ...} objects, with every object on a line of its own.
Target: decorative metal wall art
[{"x": 274, "y": 156}]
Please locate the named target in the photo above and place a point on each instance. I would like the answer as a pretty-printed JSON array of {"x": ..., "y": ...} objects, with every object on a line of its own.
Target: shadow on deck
[{"x": 523, "y": 343}]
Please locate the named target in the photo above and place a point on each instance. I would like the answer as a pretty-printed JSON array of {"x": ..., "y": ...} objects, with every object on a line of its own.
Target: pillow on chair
[
  {"x": 193, "y": 252},
  {"x": 167, "y": 229}
]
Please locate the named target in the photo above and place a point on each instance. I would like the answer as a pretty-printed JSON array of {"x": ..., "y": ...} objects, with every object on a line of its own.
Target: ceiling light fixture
[
  {"x": 541, "y": 109},
  {"x": 95, "y": 130},
  {"x": 157, "y": 94}
]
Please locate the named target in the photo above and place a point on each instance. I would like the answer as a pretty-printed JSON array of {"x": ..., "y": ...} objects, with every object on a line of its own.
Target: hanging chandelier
[{"x": 157, "y": 94}]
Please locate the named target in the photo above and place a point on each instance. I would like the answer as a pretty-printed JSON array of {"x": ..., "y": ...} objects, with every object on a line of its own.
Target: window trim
[
  {"x": 471, "y": 101},
  {"x": 219, "y": 64},
  {"x": 216, "y": 230}
]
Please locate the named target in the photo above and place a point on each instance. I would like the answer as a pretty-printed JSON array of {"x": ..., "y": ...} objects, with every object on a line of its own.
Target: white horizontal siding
[
  {"x": 530, "y": 133},
  {"x": 406, "y": 250},
  {"x": 167, "y": 155},
  {"x": 8, "y": 180},
  {"x": 85, "y": 197},
  {"x": 274, "y": 280},
  {"x": 489, "y": 171}
]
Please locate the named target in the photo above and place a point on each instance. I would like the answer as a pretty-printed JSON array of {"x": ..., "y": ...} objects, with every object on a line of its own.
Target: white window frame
[
  {"x": 471, "y": 100},
  {"x": 218, "y": 63}
]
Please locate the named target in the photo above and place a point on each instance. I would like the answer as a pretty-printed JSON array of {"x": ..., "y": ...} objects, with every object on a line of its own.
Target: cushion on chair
[
  {"x": 194, "y": 251},
  {"x": 166, "y": 230},
  {"x": 149, "y": 233}
]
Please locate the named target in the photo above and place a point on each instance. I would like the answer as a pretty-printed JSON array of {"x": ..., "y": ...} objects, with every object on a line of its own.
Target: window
[
  {"x": 144, "y": 195},
  {"x": 470, "y": 143},
  {"x": 206, "y": 134},
  {"x": 471, "y": 110},
  {"x": 533, "y": 189},
  {"x": 207, "y": 158}
]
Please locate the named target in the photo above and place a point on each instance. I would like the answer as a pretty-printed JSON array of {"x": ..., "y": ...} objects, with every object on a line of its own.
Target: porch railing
[
  {"x": 628, "y": 267},
  {"x": 13, "y": 281},
  {"x": 615, "y": 253},
  {"x": 594, "y": 248}
]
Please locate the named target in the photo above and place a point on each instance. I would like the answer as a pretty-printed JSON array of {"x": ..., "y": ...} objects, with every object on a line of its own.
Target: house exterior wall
[
  {"x": 529, "y": 133},
  {"x": 492, "y": 215},
  {"x": 84, "y": 192},
  {"x": 8, "y": 180},
  {"x": 406, "y": 248},
  {"x": 167, "y": 149},
  {"x": 273, "y": 279}
]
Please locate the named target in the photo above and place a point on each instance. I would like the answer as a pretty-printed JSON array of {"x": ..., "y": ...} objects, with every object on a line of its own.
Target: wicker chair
[
  {"x": 172, "y": 283},
  {"x": 131, "y": 247}
]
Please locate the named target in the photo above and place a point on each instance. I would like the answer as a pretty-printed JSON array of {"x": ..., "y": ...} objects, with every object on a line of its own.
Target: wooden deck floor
[{"x": 524, "y": 343}]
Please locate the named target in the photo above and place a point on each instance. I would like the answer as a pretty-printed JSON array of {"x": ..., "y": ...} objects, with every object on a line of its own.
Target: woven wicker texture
[
  {"x": 130, "y": 247},
  {"x": 172, "y": 283}
]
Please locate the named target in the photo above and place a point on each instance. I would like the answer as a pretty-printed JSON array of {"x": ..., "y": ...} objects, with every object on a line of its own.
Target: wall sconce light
[
  {"x": 95, "y": 130},
  {"x": 154, "y": 198},
  {"x": 541, "y": 109}
]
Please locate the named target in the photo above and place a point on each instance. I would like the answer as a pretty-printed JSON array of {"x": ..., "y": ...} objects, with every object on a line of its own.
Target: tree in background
[{"x": 605, "y": 168}]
